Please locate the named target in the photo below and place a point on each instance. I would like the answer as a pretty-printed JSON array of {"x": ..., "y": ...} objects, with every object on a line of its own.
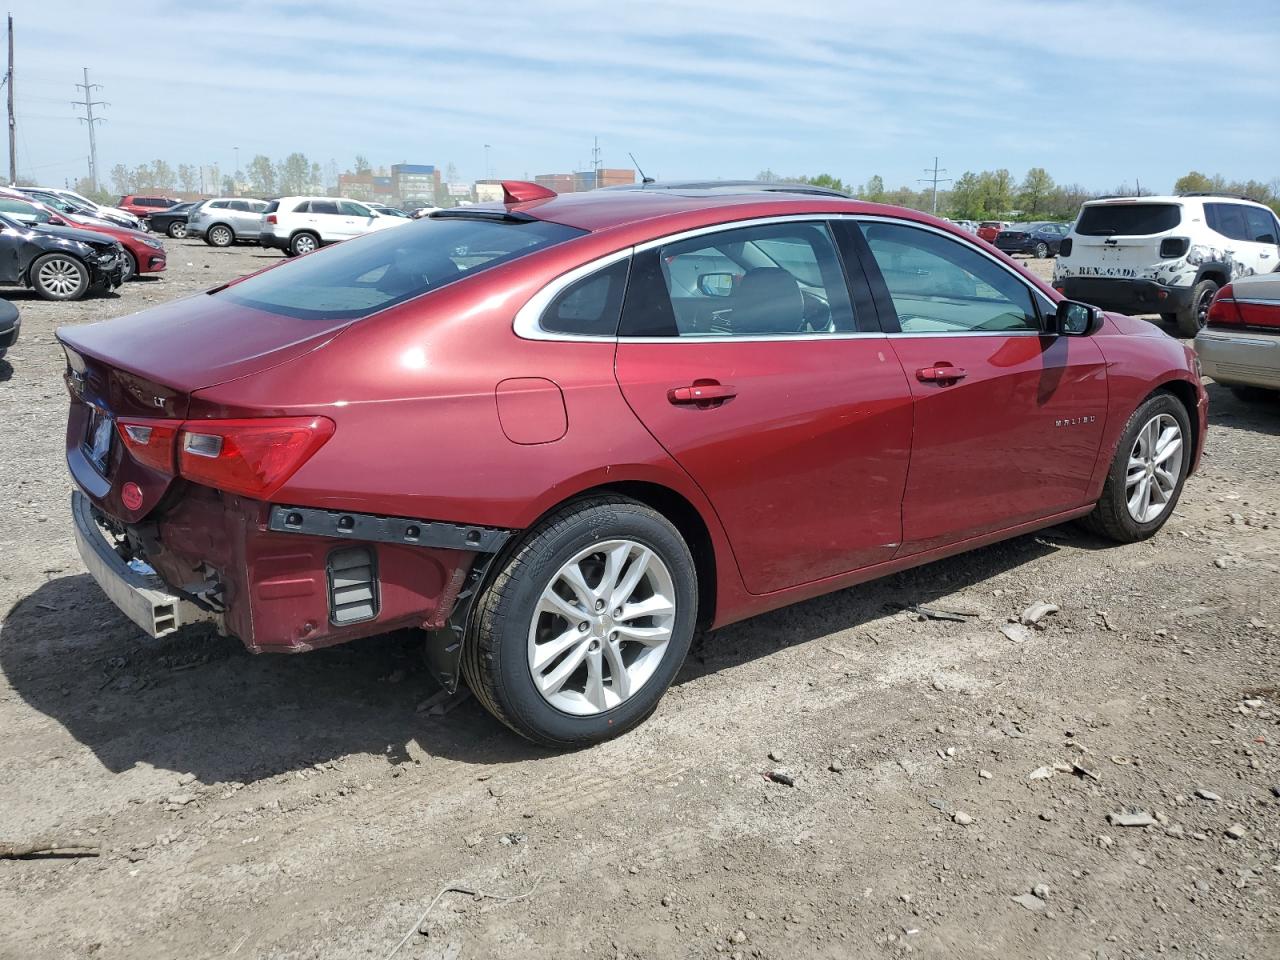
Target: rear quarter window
[
  {"x": 1128, "y": 219},
  {"x": 371, "y": 273}
]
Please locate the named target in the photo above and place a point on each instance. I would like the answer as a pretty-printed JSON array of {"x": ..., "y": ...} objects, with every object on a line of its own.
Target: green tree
[
  {"x": 120, "y": 179},
  {"x": 188, "y": 178},
  {"x": 163, "y": 178},
  {"x": 262, "y": 175},
  {"x": 997, "y": 192},
  {"x": 874, "y": 190},
  {"x": 315, "y": 182},
  {"x": 828, "y": 181},
  {"x": 362, "y": 164},
  {"x": 228, "y": 185},
  {"x": 967, "y": 197},
  {"x": 292, "y": 174},
  {"x": 1193, "y": 182},
  {"x": 1033, "y": 196}
]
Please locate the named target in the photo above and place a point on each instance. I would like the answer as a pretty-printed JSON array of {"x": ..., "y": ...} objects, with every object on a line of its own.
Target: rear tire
[
  {"x": 1191, "y": 319},
  {"x": 59, "y": 276},
  {"x": 1041, "y": 251},
  {"x": 302, "y": 243},
  {"x": 177, "y": 230},
  {"x": 219, "y": 235},
  {"x": 523, "y": 636},
  {"x": 1115, "y": 516}
]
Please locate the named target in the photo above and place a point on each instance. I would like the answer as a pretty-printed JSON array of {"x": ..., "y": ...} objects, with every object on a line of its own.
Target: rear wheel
[
  {"x": 219, "y": 235},
  {"x": 1041, "y": 251},
  {"x": 1147, "y": 474},
  {"x": 584, "y": 627},
  {"x": 59, "y": 276},
  {"x": 303, "y": 243},
  {"x": 178, "y": 229},
  {"x": 1191, "y": 319}
]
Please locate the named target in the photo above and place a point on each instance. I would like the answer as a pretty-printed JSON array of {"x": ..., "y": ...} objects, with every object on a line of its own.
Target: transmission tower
[
  {"x": 89, "y": 103},
  {"x": 934, "y": 180}
]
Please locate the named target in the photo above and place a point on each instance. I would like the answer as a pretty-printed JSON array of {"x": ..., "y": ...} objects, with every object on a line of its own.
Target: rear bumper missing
[{"x": 143, "y": 598}]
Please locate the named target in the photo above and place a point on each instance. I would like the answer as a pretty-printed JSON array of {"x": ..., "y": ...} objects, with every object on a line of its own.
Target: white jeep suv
[
  {"x": 298, "y": 225},
  {"x": 1165, "y": 255}
]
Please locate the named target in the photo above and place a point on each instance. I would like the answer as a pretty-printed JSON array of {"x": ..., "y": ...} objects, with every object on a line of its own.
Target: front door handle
[
  {"x": 941, "y": 373},
  {"x": 702, "y": 394}
]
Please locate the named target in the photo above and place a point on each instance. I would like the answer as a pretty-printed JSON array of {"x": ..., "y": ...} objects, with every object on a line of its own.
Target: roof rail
[
  {"x": 732, "y": 186},
  {"x": 1219, "y": 193}
]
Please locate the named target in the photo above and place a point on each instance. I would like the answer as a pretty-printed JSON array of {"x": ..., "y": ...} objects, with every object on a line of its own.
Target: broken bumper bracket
[{"x": 344, "y": 525}]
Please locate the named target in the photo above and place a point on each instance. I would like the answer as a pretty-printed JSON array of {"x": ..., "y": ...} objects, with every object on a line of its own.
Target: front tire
[
  {"x": 59, "y": 276},
  {"x": 130, "y": 271},
  {"x": 219, "y": 235},
  {"x": 1191, "y": 319},
  {"x": 1148, "y": 472},
  {"x": 585, "y": 624}
]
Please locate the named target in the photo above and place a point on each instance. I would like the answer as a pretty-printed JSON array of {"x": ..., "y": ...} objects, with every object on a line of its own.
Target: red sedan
[{"x": 561, "y": 433}]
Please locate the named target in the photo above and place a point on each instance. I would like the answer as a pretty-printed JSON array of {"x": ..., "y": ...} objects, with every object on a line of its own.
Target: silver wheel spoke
[
  {"x": 550, "y": 683},
  {"x": 614, "y": 561},
  {"x": 548, "y": 651},
  {"x": 594, "y": 689},
  {"x": 655, "y": 606},
  {"x": 553, "y": 603},
  {"x": 1154, "y": 468},
  {"x": 646, "y": 635},
  {"x": 639, "y": 567},
  {"x": 618, "y": 674},
  {"x": 572, "y": 576}
]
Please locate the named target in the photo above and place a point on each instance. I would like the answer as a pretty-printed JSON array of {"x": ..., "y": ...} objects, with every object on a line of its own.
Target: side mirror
[
  {"x": 715, "y": 284},
  {"x": 57, "y": 221},
  {"x": 1075, "y": 319}
]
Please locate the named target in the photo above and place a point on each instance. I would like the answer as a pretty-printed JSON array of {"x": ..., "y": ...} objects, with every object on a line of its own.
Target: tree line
[{"x": 998, "y": 195}]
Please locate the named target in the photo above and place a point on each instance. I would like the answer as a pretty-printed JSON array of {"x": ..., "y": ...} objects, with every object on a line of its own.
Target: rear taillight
[
  {"x": 1171, "y": 248},
  {"x": 150, "y": 442},
  {"x": 271, "y": 218},
  {"x": 1064, "y": 248},
  {"x": 1224, "y": 312},
  {"x": 249, "y": 457}
]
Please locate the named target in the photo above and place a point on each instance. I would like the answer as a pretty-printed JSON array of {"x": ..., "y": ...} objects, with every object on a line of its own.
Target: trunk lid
[
  {"x": 1119, "y": 239},
  {"x": 152, "y": 361}
]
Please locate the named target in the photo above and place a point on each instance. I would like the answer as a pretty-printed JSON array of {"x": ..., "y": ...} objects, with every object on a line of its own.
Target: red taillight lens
[
  {"x": 271, "y": 218},
  {"x": 150, "y": 442},
  {"x": 1224, "y": 312},
  {"x": 250, "y": 457},
  {"x": 1259, "y": 314}
]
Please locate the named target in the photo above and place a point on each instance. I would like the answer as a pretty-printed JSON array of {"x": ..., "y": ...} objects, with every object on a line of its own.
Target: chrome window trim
[
  {"x": 1031, "y": 288},
  {"x": 528, "y": 319}
]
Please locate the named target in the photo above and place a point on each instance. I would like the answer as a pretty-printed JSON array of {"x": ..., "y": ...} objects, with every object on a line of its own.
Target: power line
[
  {"x": 935, "y": 180},
  {"x": 89, "y": 103}
]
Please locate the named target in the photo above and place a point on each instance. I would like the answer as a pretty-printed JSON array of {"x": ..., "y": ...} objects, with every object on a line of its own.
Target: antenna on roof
[{"x": 643, "y": 178}]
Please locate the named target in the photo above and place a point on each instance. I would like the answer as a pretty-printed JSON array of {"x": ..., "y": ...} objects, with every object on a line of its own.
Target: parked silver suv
[{"x": 226, "y": 220}]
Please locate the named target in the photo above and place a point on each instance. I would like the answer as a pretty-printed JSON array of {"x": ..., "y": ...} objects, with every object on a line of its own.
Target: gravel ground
[{"x": 956, "y": 793}]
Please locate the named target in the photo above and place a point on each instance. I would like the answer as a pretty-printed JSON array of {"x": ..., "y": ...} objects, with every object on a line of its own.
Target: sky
[{"x": 1098, "y": 93}]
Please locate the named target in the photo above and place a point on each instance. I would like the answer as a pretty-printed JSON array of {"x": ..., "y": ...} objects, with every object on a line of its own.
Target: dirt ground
[{"x": 307, "y": 807}]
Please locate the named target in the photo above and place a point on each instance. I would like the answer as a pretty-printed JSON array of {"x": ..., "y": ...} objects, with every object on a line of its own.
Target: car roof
[
  {"x": 1180, "y": 198},
  {"x": 604, "y": 209}
]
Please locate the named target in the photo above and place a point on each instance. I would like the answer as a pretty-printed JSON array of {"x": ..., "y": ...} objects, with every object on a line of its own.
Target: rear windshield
[
  {"x": 1128, "y": 219},
  {"x": 379, "y": 270}
]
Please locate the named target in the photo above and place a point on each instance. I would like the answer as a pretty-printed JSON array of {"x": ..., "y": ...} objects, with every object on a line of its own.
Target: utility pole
[
  {"x": 934, "y": 181},
  {"x": 89, "y": 103},
  {"x": 13, "y": 128},
  {"x": 488, "y": 171},
  {"x": 595, "y": 160}
]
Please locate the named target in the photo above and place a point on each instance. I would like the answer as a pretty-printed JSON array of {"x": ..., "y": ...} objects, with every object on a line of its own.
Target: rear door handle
[
  {"x": 941, "y": 373},
  {"x": 702, "y": 393}
]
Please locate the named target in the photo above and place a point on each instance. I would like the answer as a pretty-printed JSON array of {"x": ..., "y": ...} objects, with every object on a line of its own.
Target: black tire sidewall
[
  {"x": 213, "y": 230},
  {"x": 1038, "y": 248},
  {"x": 80, "y": 291},
  {"x": 177, "y": 230},
  {"x": 1189, "y": 319},
  {"x": 293, "y": 244},
  {"x": 513, "y": 608},
  {"x": 132, "y": 263},
  {"x": 1160, "y": 403}
]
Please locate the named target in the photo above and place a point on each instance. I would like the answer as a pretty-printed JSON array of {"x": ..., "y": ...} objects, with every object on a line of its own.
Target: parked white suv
[
  {"x": 298, "y": 225},
  {"x": 1165, "y": 255}
]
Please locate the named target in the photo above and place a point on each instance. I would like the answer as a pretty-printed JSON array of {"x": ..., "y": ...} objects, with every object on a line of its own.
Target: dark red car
[
  {"x": 988, "y": 230},
  {"x": 561, "y": 433},
  {"x": 143, "y": 207}
]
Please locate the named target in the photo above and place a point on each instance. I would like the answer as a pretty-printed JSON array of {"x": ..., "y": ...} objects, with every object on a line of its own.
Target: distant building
[
  {"x": 415, "y": 181},
  {"x": 585, "y": 179}
]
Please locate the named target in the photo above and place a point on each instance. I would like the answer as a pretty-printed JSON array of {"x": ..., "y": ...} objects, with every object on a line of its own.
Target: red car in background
[
  {"x": 988, "y": 230},
  {"x": 143, "y": 207},
  {"x": 142, "y": 252},
  {"x": 560, "y": 433}
]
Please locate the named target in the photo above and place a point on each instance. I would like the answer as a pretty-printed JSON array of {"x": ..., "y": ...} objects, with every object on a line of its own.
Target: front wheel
[
  {"x": 130, "y": 270},
  {"x": 1147, "y": 474},
  {"x": 59, "y": 276},
  {"x": 585, "y": 625},
  {"x": 1196, "y": 314}
]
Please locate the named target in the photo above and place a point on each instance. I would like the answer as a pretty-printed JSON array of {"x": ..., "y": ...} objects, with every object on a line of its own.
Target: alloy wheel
[
  {"x": 221, "y": 237},
  {"x": 177, "y": 230},
  {"x": 1155, "y": 463},
  {"x": 60, "y": 276},
  {"x": 1202, "y": 308},
  {"x": 304, "y": 244},
  {"x": 601, "y": 627}
]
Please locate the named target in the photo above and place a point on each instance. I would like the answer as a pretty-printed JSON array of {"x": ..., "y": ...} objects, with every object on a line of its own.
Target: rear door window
[
  {"x": 1262, "y": 225},
  {"x": 350, "y": 209},
  {"x": 1128, "y": 219},
  {"x": 240, "y": 205},
  {"x": 1228, "y": 219},
  {"x": 387, "y": 267},
  {"x": 324, "y": 206}
]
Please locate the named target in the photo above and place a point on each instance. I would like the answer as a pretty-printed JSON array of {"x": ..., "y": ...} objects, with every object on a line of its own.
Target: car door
[
  {"x": 327, "y": 219},
  {"x": 1008, "y": 420},
  {"x": 11, "y": 244},
  {"x": 741, "y": 352},
  {"x": 1264, "y": 230},
  {"x": 1245, "y": 255},
  {"x": 357, "y": 219}
]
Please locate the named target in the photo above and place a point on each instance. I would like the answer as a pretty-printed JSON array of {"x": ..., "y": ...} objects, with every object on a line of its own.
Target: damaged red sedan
[{"x": 561, "y": 433}]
